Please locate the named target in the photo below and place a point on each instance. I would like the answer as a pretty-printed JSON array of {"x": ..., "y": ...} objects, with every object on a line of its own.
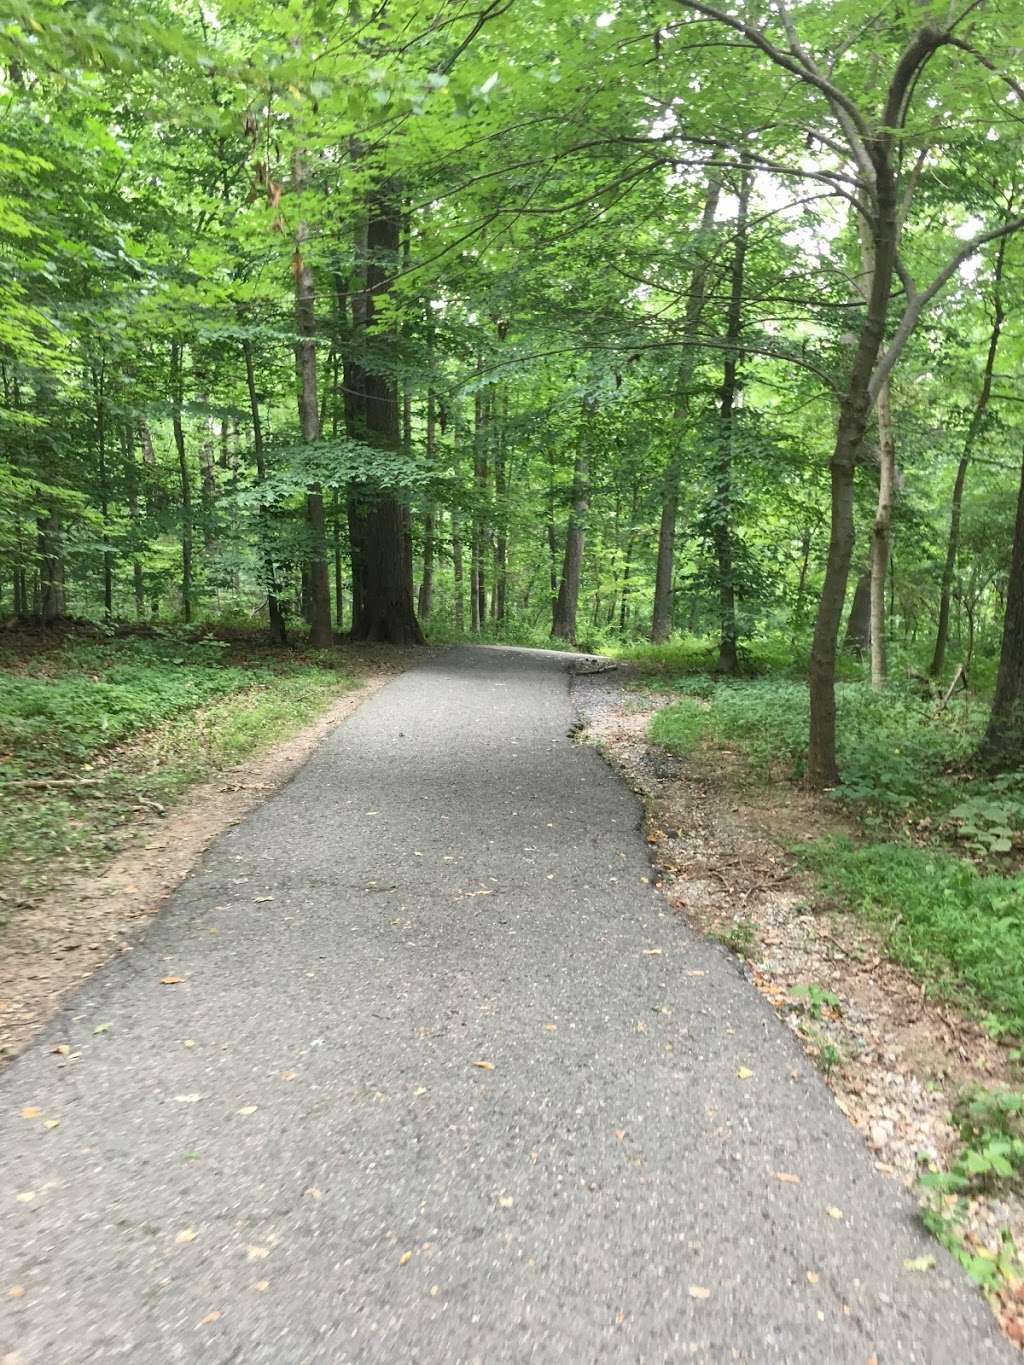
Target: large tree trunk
[
  {"x": 386, "y": 608},
  {"x": 320, "y": 632},
  {"x": 563, "y": 626},
  {"x": 275, "y": 615},
  {"x": 1003, "y": 746},
  {"x": 661, "y": 621},
  {"x": 977, "y": 423},
  {"x": 728, "y": 656},
  {"x": 177, "y": 398}
]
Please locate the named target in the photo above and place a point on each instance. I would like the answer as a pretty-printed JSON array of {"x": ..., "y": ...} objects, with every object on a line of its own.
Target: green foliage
[
  {"x": 741, "y": 938},
  {"x": 893, "y": 748},
  {"x": 959, "y": 929},
  {"x": 92, "y": 696},
  {"x": 187, "y": 711},
  {"x": 991, "y": 1127},
  {"x": 990, "y": 817},
  {"x": 817, "y": 998},
  {"x": 678, "y": 727}
]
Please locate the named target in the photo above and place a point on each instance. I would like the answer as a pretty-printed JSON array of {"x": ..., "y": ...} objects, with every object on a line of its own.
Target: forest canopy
[{"x": 523, "y": 320}]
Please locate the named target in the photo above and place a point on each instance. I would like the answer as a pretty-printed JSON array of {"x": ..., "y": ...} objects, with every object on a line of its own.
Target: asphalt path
[{"x": 442, "y": 1079}]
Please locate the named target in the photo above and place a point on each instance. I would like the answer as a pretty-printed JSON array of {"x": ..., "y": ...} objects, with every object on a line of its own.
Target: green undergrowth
[
  {"x": 93, "y": 731},
  {"x": 956, "y": 926},
  {"x": 936, "y": 869}
]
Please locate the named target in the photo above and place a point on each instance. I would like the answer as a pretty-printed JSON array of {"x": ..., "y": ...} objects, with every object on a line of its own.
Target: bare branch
[{"x": 920, "y": 301}]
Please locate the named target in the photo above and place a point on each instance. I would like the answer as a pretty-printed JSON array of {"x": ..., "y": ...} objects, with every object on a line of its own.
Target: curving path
[{"x": 444, "y": 1082}]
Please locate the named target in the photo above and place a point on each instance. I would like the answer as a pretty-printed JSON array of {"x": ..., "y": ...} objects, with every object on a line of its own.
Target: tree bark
[
  {"x": 563, "y": 626},
  {"x": 661, "y": 621},
  {"x": 386, "y": 607},
  {"x": 728, "y": 655},
  {"x": 185, "y": 483},
  {"x": 426, "y": 594},
  {"x": 1003, "y": 745},
  {"x": 275, "y": 615},
  {"x": 858, "y": 622},
  {"x": 974, "y": 430},
  {"x": 881, "y": 537},
  {"x": 320, "y": 632}
]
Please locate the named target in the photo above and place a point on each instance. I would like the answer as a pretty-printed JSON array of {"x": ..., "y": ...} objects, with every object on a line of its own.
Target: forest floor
[
  {"x": 90, "y": 851},
  {"x": 897, "y": 1059}
]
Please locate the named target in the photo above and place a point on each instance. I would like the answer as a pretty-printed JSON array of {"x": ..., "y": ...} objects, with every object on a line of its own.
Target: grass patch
[
  {"x": 679, "y": 727},
  {"x": 956, "y": 927},
  {"x": 132, "y": 720}
]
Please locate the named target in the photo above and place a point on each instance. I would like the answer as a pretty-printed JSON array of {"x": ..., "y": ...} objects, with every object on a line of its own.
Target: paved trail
[{"x": 326, "y": 1173}]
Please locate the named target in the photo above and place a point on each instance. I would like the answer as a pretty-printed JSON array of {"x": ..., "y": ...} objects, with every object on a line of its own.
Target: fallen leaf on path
[
  {"x": 186, "y": 1235},
  {"x": 101, "y": 1028},
  {"x": 190, "y": 1042},
  {"x": 16, "y": 1291},
  {"x": 247, "y": 1109},
  {"x": 188, "y": 1099},
  {"x": 696, "y": 973},
  {"x": 505, "y": 1200},
  {"x": 51, "y": 1123},
  {"x": 171, "y": 980},
  {"x": 434, "y": 1290},
  {"x": 833, "y": 1212},
  {"x": 257, "y": 1253},
  {"x": 744, "y": 1073},
  {"x": 26, "y": 1196},
  {"x": 210, "y": 1317},
  {"x": 651, "y": 952},
  {"x": 30, "y": 1112},
  {"x": 62, "y": 1049},
  {"x": 262, "y": 1286},
  {"x": 812, "y": 1277},
  {"x": 405, "y": 1258},
  {"x": 485, "y": 1066},
  {"x": 920, "y": 1263},
  {"x": 786, "y": 1178},
  {"x": 697, "y": 1291}
]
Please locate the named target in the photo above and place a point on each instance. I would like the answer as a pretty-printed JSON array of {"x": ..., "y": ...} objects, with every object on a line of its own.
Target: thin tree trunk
[
  {"x": 275, "y": 615},
  {"x": 134, "y": 516},
  {"x": 177, "y": 397},
  {"x": 854, "y": 410},
  {"x": 320, "y": 633},
  {"x": 499, "y": 599},
  {"x": 426, "y": 594},
  {"x": 977, "y": 423},
  {"x": 728, "y": 655},
  {"x": 661, "y": 622},
  {"x": 563, "y": 626},
  {"x": 881, "y": 537},
  {"x": 858, "y": 622}
]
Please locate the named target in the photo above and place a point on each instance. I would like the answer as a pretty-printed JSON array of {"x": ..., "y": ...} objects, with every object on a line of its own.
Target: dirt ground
[
  {"x": 54, "y": 944},
  {"x": 896, "y": 1060}
]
